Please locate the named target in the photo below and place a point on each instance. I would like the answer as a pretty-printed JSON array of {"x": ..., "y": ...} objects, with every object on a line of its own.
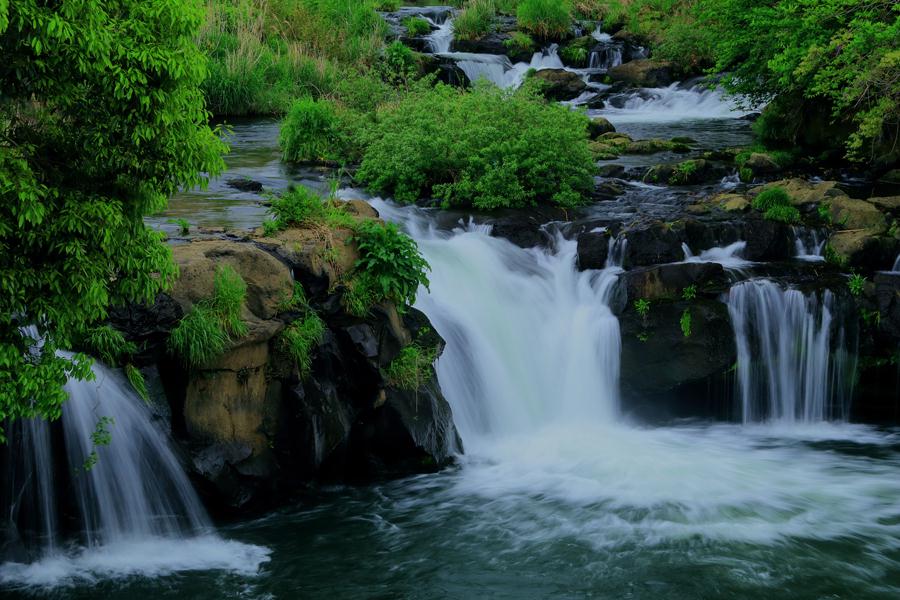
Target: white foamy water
[
  {"x": 672, "y": 104},
  {"x": 499, "y": 70},
  {"x": 139, "y": 557},
  {"x": 729, "y": 256}
]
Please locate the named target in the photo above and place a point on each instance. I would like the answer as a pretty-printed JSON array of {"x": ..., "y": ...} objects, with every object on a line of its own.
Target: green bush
[
  {"x": 775, "y": 204},
  {"x": 519, "y": 42},
  {"x": 390, "y": 266},
  {"x": 301, "y": 207},
  {"x": 299, "y": 338},
  {"x": 413, "y": 367},
  {"x": 475, "y": 20},
  {"x": 203, "y": 334},
  {"x": 574, "y": 56},
  {"x": 487, "y": 148},
  {"x": 546, "y": 19},
  {"x": 310, "y": 131},
  {"x": 416, "y": 26},
  {"x": 199, "y": 337}
]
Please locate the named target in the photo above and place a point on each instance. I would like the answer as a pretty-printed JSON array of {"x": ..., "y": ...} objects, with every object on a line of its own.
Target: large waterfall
[
  {"x": 524, "y": 328},
  {"x": 793, "y": 364},
  {"x": 134, "y": 508}
]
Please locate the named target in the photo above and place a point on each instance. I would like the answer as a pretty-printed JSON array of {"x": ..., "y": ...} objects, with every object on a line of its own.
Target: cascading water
[
  {"x": 728, "y": 256},
  {"x": 525, "y": 329},
  {"x": 137, "y": 512},
  {"x": 440, "y": 39},
  {"x": 499, "y": 70},
  {"x": 791, "y": 366},
  {"x": 808, "y": 244},
  {"x": 677, "y": 102}
]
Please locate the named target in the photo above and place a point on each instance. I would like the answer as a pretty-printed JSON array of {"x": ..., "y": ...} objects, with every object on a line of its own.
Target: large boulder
[
  {"x": 804, "y": 192},
  {"x": 643, "y": 73},
  {"x": 599, "y": 126},
  {"x": 653, "y": 244},
  {"x": 559, "y": 84},
  {"x": 669, "y": 281}
]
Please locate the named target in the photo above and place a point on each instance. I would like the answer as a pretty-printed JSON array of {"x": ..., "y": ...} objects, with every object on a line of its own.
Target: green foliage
[
  {"x": 775, "y": 204},
  {"x": 136, "y": 379},
  {"x": 199, "y": 338},
  {"x": 311, "y": 131},
  {"x": 416, "y": 26},
  {"x": 300, "y": 337},
  {"x": 832, "y": 257},
  {"x": 390, "y": 265},
  {"x": 295, "y": 301},
  {"x": 685, "y": 322},
  {"x": 856, "y": 284},
  {"x": 545, "y": 19},
  {"x": 413, "y": 367},
  {"x": 183, "y": 224},
  {"x": 107, "y": 344},
  {"x": 301, "y": 207},
  {"x": 519, "y": 42},
  {"x": 642, "y": 306},
  {"x": 574, "y": 55},
  {"x": 101, "y": 119},
  {"x": 264, "y": 53},
  {"x": 100, "y": 437},
  {"x": 689, "y": 293},
  {"x": 824, "y": 212},
  {"x": 684, "y": 172},
  {"x": 746, "y": 174},
  {"x": 203, "y": 334},
  {"x": 475, "y": 20},
  {"x": 870, "y": 318},
  {"x": 487, "y": 148},
  {"x": 398, "y": 66}
]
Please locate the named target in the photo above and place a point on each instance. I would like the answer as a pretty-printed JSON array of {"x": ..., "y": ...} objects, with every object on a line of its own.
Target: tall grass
[{"x": 475, "y": 20}]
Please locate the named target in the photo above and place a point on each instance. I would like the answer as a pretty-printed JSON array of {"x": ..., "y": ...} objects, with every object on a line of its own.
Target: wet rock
[
  {"x": 669, "y": 281},
  {"x": 653, "y": 146},
  {"x": 525, "y": 227},
  {"x": 148, "y": 326},
  {"x": 762, "y": 164},
  {"x": 658, "y": 357},
  {"x": 577, "y": 52},
  {"x": 689, "y": 172},
  {"x": 863, "y": 249},
  {"x": 654, "y": 244},
  {"x": 245, "y": 185},
  {"x": 492, "y": 43},
  {"x": 597, "y": 126},
  {"x": 804, "y": 192},
  {"x": 559, "y": 84},
  {"x": 611, "y": 170},
  {"x": 850, "y": 213},
  {"x": 593, "y": 250},
  {"x": 887, "y": 204},
  {"x": 766, "y": 240},
  {"x": 643, "y": 73}
]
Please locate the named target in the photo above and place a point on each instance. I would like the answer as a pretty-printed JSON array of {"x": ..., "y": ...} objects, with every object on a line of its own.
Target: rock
[
  {"x": 762, "y": 164},
  {"x": 643, "y": 73},
  {"x": 559, "y": 84},
  {"x": 850, "y": 213},
  {"x": 245, "y": 185},
  {"x": 610, "y": 170},
  {"x": 593, "y": 250},
  {"x": 766, "y": 240},
  {"x": 656, "y": 355},
  {"x": 525, "y": 227},
  {"x": 653, "y": 146},
  {"x": 863, "y": 249},
  {"x": 887, "y": 204},
  {"x": 267, "y": 278},
  {"x": 597, "y": 126},
  {"x": 492, "y": 43},
  {"x": 668, "y": 281},
  {"x": 802, "y": 191},
  {"x": 596, "y": 103},
  {"x": 689, "y": 172},
  {"x": 653, "y": 244}
]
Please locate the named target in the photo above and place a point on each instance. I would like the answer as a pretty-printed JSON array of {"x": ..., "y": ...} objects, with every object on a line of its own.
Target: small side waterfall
[
  {"x": 896, "y": 267},
  {"x": 728, "y": 256},
  {"x": 809, "y": 244},
  {"x": 499, "y": 70},
  {"x": 793, "y": 363},
  {"x": 440, "y": 39},
  {"x": 134, "y": 497}
]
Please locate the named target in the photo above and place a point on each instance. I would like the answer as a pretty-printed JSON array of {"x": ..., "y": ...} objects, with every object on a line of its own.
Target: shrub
[
  {"x": 398, "y": 65},
  {"x": 775, "y": 204},
  {"x": 416, "y": 26},
  {"x": 856, "y": 283},
  {"x": 546, "y": 19},
  {"x": 203, "y": 334},
  {"x": 412, "y": 367},
  {"x": 301, "y": 207},
  {"x": 199, "y": 337},
  {"x": 487, "y": 148},
  {"x": 299, "y": 338},
  {"x": 642, "y": 306},
  {"x": 107, "y": 344},
  {"x": 475, "y": 20},
  {"x": 575, "y": 56},
  {"x": 685, "y": 323},
  {"x": 310, "y": 131},
  {"x": 390, "y": 266},
  {"x": 519, "y": 42}
]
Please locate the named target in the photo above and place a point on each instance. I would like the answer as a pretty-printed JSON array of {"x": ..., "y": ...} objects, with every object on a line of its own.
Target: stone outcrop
[
  {"x": 257, "y": 427},
  {"x": 643, "y": 73},
  {"x": 559, "y": 84}
]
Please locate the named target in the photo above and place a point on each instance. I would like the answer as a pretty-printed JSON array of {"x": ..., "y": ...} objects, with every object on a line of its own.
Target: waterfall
[
  {"x": 728, "y": 256},
  {"x": 135, "y": 499},
  {"x": 499, "y": 70},
  {"x": 440, "y": 39},
  {"x": 791, "y": 366},
  {"x": 808, "y": 244},
  {"x": 531, "y": 341},
  {"x": 605, "y": 57},
  {"x": 674, "y": 103},
  {"x": 896, "y": 267}
]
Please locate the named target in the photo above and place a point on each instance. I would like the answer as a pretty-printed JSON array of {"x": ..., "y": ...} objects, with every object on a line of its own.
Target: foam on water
[{"x": 673, "y": 103}]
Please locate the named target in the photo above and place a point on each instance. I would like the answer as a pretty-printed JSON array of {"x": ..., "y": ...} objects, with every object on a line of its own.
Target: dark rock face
[
  {"x": 593, "y": 250},
  {"x": 559, "y": 84},
  {"x": 669, "y": 281},
  {"x": 493, "y": 43},
  {"x": 658, "y": 359},
  {"x": 643, "y": 73},
  {"x": 654, "y": 244},
  {"x": 245, "y": 185}
]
